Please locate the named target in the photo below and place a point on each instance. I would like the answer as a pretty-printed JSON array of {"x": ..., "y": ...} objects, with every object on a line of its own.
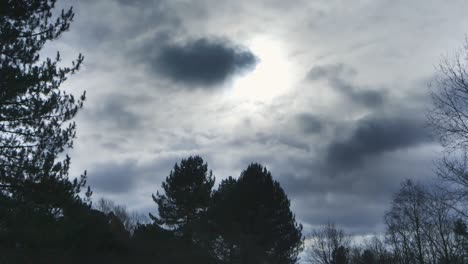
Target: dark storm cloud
[
  {"x": 338, "y": 76},
  {"x": 204, "y": 61},
  {"x": 373, "y": 136}
]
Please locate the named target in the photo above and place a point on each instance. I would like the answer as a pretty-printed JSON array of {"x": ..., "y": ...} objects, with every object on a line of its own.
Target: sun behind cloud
[{"x": 272, "y": 76}]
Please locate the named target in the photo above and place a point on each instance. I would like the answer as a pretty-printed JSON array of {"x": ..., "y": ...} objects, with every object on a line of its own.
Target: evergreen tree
[
  {"x": 187, "y": 195},
  {"x": 35, "y": 123},
  {"x": 256, "y": 211},
  {"x": 221, "y": 215}
]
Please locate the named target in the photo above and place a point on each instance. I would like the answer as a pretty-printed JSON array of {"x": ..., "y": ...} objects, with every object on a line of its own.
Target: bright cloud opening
[{"x": 272, "y": 76}]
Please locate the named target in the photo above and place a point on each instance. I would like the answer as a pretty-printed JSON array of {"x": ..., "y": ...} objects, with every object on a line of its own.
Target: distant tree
[
  {"x": 380, "y": 251},
  {"x": 405, "y": 224},
  {"x": 129, "y": 220},
  {"x": 35, "y": 123},
  {"x": 420, "y": 226},
  {"x": 186, "y": 198},
  {"x": 439, "y": 221},
  {"x": 328, "y": 245},
  {"x": 255, "y": 221}
]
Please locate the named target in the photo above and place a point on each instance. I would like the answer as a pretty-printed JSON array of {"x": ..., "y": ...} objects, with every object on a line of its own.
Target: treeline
[
  {"x": 425, "y": 224},
  {"x": 245, "y": 220}
]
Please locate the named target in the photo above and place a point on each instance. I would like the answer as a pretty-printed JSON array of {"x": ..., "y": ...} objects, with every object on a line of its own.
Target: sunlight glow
[{"x": 272, "y": 76}]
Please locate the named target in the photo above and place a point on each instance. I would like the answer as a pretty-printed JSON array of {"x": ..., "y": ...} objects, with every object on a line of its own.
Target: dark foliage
[
  {"x": 253, "y": 219},
  {"x": 37, "y": 197},
  {"x": 187, "y": 194}
]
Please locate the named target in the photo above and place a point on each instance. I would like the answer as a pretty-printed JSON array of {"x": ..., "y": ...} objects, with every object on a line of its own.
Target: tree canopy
[
  {"x": 254, "y": 219},
  {"x": 187, "y": 195}
]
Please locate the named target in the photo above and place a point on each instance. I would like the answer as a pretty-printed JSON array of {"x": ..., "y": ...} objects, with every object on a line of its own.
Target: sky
[{"x": 330, "y": 95}]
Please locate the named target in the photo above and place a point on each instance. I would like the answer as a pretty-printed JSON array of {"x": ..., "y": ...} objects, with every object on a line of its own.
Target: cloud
[
  {"x": 123, "y": 177},
  {"x": 356, "y": 198},
  {"x": 309, "y": 123},
  {"x": 203, "y": 62},
  {"x": 114, "y": 177},
  {"x": 373, "y": 136},
  {"x": 114, "y": 111},
  {"x": 360, "y": 70},
  {"x": 338, "y": 76},
  {"x": 330, "y": 71}
]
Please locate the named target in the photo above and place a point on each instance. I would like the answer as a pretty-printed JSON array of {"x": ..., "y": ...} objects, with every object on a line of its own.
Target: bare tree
[
  {"x": 449, "y": 114},
  {"x": 421, "y": 226},
  {"x": 439, "y": 219},
  {"x": 448, "y": 117},
  {"x": 130, "y": 220},
  {"x": 454, "y": 170},
  {"x": 327, "y": 245},
  {"x": 405, "y": 224}
]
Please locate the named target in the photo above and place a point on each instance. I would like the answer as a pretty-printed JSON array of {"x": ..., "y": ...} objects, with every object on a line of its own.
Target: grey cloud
[
  {"x": 114, "y": 177},
  {"x": 368, "y": 98},
  {"x": 349, "y": 211},
  {"x": 373, "y": 136},
  {"x": 330, "y": 71},
  {"x": 205, "y": 62},
  {"x": 309, "y": 123},
  {"x": 135, "y": 2},
  {"x": 355, "y": 199},
  {"x": 122, "y": 117},
  {"x": 338, "y": 76},
  {"x": 114, "y": 112},
  {"x": 118, "y": 38},
  {"x": 111, "y": 30},
  {"x": 123, "y": 177}
]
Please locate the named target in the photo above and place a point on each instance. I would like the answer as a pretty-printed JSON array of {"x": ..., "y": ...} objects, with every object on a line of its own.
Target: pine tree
[
  {"x": 35, "y": 120},
  {"x": 254, "y": 219},
  {"x": 221, "y": 214},
  {"x": 187, "y": 195}
]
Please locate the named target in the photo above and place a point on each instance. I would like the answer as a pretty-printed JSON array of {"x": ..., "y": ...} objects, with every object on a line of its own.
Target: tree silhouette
[
  {"x": 327, "y": 245},
  {"x": 368, "y": 257},
  {"x": 448, "y": 118},
  {"x": 187, "y": 195},
  {"x": 340, "y": 255},
  {"x": 405, "y": 223},
  {"x": 254, "y": 219},
  {"x": 35, "y": 124}
]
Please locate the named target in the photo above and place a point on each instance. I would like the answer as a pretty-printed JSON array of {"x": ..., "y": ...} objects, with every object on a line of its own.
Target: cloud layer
[{"x": 161, "y": 79}]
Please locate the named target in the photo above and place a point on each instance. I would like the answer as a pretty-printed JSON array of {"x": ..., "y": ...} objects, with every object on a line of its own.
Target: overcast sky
[{"x": 330, "y": 95}]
